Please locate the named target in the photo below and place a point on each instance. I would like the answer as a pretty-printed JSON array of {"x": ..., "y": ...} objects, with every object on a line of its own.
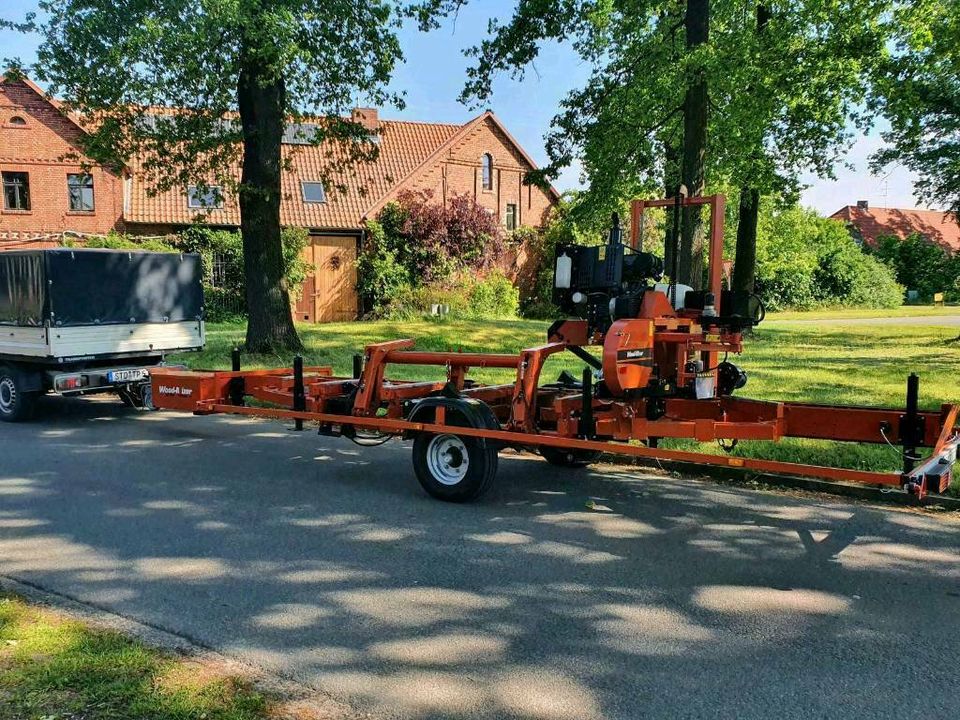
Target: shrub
[
  {"x": 490, "y": 297},
  {"x": 416, "y": 243},
  {"x": 805, "y": 261},
  {"x": 494, "y": 296},
  {"x": 919, "y": 264},
  {"x": 380, "y": 276},
  {"x": 226, "y": 293},
  {"x": 118, "y": 241}
]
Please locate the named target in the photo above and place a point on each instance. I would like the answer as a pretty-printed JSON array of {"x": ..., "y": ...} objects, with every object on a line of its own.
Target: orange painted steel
[
  {"x": 705, "y": 420},
  {"x": 475, "y": 360}
]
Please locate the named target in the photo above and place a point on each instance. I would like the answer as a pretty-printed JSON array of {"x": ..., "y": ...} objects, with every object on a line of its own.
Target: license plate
[{"x": 124, "y": 376}]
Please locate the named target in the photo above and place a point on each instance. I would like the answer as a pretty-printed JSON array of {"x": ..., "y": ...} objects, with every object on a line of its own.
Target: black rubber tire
[
  {"x": 15, "y": 404},
  {"x": 561, "y": 457},
  {"x": 481, "y": 469}
]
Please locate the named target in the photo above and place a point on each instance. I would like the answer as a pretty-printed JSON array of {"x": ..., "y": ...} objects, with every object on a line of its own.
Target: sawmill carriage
[{"x": 662, "y": 372}]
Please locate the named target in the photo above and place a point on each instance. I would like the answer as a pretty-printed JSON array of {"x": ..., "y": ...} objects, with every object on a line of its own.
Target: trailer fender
[{"x": 474, "y": 413}]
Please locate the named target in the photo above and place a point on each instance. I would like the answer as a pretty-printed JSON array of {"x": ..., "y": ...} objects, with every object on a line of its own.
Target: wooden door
[
  {"x": 304, "y": 310},
  {"x": 332, "y": 290}
]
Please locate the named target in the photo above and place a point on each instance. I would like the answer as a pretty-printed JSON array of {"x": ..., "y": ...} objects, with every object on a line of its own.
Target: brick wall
[
  {"x": 460, "y": 172},
  {"x": 38, "y": 149}
]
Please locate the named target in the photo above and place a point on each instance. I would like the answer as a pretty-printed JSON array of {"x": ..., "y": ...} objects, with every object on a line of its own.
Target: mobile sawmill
[{"x": 659, "y": 375}]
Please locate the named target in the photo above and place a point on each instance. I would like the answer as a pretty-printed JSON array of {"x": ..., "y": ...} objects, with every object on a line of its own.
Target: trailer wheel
[
  {"x": 562, "y": 457},
  {"x": 454, "y": 468},
  {"x": 16, "y": 405}
]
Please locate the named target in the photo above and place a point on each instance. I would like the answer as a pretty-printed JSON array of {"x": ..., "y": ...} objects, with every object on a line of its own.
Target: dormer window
[
  {"x": 487, "y": 163},
  {"x": 18, "y": 120}
]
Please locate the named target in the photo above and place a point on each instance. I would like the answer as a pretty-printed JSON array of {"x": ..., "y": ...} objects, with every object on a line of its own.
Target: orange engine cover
[{"x": 628, "y": 355}]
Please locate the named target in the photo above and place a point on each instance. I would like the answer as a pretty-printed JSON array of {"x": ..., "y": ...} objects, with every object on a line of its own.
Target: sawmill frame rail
[{"x": 432, "y": 414}]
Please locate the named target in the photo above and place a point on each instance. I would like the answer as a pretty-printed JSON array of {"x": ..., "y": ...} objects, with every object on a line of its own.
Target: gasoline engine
[{"x": 658, "y": 337}]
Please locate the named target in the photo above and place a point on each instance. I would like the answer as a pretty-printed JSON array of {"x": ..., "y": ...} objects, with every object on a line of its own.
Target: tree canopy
[
  {"x": 917, "y": 88},
  {"x": 784, "y": 80},
  {"x": 198, "y": 90}
]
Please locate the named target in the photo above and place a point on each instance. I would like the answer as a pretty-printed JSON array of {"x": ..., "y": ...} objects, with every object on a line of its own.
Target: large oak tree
[{"x": 199, "y": 90}]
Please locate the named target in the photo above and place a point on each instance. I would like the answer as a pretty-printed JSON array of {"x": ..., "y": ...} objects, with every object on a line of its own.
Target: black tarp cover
[
  {"x": 99, "y": 287},
  {"x": 22, "y": 298}
]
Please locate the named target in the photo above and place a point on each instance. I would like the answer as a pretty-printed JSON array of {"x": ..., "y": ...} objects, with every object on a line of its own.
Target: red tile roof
[
  {"x": 403, "y": 147},
  {"x": 407, "y": 150},
  {"x": 935, "y": 225}
]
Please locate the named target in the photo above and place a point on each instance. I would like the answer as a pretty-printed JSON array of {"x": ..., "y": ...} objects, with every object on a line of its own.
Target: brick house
[
  {"x": 46, "y": 188},
  {"x": 867, "y": 224},
  {"x": 479, "y": 158}
]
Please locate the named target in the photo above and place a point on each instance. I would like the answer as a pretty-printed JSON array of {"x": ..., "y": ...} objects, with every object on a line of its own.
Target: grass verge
[
  {"x": 843, "y": 365},
  {"x": 56, "y": 668},
  {"x": 854, "y": 313}
]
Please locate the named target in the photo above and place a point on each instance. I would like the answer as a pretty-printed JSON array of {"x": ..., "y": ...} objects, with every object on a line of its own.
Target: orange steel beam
[{"x": 414, "y": 357}]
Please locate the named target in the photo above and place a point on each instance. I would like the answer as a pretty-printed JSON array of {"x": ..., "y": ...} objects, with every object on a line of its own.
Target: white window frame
[
  {"x": 506, "y": 216},
  {"x": 82, "y": 187},
  {"x": 213, "y": 191},
  {"x": 486, "y": 172}
]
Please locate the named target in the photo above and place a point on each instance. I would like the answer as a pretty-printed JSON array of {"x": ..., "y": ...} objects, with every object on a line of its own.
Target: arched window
[
  {"x": 17, "y": 120},
  {"x": 487, "y": 171}
]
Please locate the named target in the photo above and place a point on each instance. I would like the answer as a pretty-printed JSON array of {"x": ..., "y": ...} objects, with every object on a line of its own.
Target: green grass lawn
[
  {"x": 55, "y": 667},
  {"x": 853, "y": 365}
]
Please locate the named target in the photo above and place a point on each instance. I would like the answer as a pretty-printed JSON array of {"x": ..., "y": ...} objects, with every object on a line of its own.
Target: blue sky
[{"x": 433, "y": 75}]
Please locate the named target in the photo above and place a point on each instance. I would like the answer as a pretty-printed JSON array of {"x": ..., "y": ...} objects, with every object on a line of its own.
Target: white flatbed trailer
[{"x": 75, "y": 322}]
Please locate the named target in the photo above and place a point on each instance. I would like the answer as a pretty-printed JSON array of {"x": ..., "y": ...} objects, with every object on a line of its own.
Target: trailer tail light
[{"x": 65, "y": 383}]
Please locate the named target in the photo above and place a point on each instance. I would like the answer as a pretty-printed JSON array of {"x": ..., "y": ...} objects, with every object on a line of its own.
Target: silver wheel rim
[
  {"x": 447, "y": 459},
  {"x": 8, "y": 395}
]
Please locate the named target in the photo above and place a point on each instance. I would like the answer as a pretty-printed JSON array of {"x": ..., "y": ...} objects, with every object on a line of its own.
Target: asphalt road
[{"x": 325, "y": 561}]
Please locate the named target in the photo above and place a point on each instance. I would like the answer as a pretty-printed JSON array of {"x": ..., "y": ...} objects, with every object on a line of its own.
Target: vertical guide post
[
  {"x": 236, "y": 384},
  {"x": 299, "y": 398},
  {"x": 357, "y": 366},
  {"x": 675, "y": 231},
  {"x": 910, "y": 430},
  {"x": 586, "y": 409}
]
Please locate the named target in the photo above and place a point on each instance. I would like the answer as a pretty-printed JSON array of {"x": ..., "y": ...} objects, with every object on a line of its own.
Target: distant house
[
  {"x": 45, "y": 194},
  {"x": 868, "y": 224}
]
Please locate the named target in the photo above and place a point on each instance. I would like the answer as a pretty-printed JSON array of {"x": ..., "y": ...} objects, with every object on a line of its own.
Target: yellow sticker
[
  {"x": 735, "y": 462},
  {"x": 603, "y": 253}
]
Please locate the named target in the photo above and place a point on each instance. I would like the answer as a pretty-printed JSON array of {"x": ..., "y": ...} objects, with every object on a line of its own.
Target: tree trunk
[
  {"x": 695, "y": 106},
  {"x": 261, "y": 103},
  {"x": 671, "y": 179},
  {"x": 745, "y": 265}
]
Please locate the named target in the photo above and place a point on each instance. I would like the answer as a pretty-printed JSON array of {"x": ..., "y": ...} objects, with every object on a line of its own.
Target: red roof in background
[
  {"x": 403, "y": 147},
  {"x": 935, "y": 225}
]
